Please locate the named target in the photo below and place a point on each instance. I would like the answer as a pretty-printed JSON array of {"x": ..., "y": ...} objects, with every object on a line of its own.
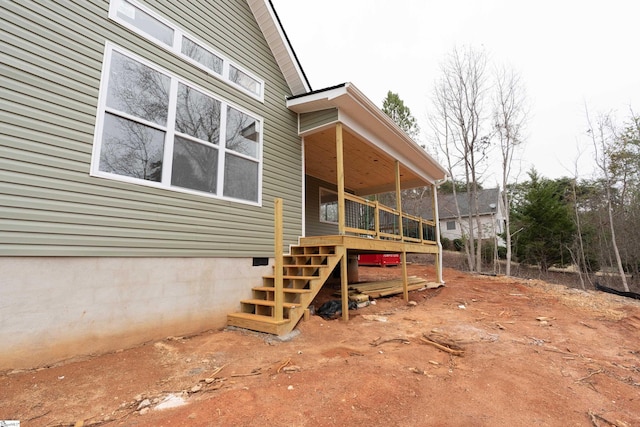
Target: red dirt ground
[{"x": 535, "y": 354}]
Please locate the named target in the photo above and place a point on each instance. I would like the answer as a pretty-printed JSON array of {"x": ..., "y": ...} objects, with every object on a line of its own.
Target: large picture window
[
  {"x": 164, "y": 33},
  {"x": 154, "y": 128}
]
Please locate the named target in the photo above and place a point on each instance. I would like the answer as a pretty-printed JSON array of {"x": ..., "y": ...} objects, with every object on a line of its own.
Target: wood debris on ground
[
  {"x": 370, "y": 290},
  {"x": 442, "y": 342}
]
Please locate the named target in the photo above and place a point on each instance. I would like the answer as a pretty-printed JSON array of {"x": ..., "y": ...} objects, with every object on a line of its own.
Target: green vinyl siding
[
  {"x": 316, "y": 119},
  {"x": 52, "y": 53}
]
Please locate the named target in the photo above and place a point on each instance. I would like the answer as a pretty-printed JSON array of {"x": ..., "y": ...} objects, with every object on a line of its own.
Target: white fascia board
[{"x": 316, "y": 101}]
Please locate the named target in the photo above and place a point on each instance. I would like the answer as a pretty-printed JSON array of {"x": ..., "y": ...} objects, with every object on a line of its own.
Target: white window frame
[
  {"x": 455, "y": 227},
  {"x": 176, "y": 47},
  {"x": 322, "y": 220},
  {"x": 170, "y": 133}
]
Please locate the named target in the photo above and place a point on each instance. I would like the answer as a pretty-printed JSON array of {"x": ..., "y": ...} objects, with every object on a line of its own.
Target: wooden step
[
  {"x": 285, "y": 290},
  {"x": 319, "y": 248},
  {"x": 309, "y": 255},
  {"x": 257, "y": 322},
  {"x": 308, "y": 259},
  {"x": 269, "y": 303},
  {"x": 314, "y": 263},
  {"x": 287, "y": 277},
  {"x": 302, "y": 266}
]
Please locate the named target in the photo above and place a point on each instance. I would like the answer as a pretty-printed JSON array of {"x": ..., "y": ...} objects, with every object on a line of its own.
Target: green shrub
[{"x": 447, "y": 245}]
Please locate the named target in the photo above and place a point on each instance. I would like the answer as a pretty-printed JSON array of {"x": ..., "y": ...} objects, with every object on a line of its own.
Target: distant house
[
  {"x": 490, "y": 209},
  {"x": 147, "y": 150}
]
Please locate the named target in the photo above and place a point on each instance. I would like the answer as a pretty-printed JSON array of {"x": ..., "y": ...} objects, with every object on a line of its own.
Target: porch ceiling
[
  {"x": 372, "y": 143},
  {"x": 367, "y": 169}
]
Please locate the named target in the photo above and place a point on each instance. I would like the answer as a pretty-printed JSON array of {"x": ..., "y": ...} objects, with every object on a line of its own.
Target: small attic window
[{"x": 152, "y": 26}]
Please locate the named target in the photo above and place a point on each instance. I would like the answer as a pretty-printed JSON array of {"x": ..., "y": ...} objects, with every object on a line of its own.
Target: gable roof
[
  {"x": 488, "y": 203},
  {"x": 280, "y": 46}
]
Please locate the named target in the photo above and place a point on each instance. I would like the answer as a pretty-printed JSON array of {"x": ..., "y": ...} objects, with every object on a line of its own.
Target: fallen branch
[
  {"x": 446, "y": 349},
  {"x": 251, "y": 374},
  {"x": 588, "y": 326},
  {"x": 216, "y": 371},
  {"x": 378, "y": 342},
  {"x": 283, "y": 364},
  {"x": 556, "y": 350},
  {"x": 418, "y": 371},
  {"x": 599, "y": 371},
  {"x": 595, "y": 417},
  {"x": 39, "y": 416},
  {"x": 216, "y": 386}
]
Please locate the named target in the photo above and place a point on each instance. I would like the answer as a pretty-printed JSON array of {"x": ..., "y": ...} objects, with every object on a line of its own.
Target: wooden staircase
[{"x": 305, "y": 270}]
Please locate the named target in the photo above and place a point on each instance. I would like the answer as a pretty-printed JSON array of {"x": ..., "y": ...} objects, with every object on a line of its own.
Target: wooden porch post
[
  {"x": 340, "y": 178},
  {"x": 344, "y": 281},
  {"x": 399, "y": 199},
  {"x": 403, "y": 255},
  {"x": 344, "y": 284},
  {"x": 278, "y": 268},
  {"x": 436, "y": 220},
  {"x": 376, "y": 220}
]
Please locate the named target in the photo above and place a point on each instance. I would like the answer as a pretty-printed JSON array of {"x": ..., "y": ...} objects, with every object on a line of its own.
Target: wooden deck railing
[{"x": 368, "y": 218}]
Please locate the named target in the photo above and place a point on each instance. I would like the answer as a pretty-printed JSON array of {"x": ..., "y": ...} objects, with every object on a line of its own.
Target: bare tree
[
  {"x": 509, "y": 119},
  {"x": 460, "y": 98},
  {"x": 579, "y": 259},
  {"x": 441, "y": 123},
  {"x": 603, "y": 138}
]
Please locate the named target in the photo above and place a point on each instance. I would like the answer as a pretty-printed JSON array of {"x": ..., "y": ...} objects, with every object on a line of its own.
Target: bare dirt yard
[{"x": 514, "y": 353}]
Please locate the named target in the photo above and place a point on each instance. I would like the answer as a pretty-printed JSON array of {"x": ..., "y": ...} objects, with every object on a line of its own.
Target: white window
[
  {"x": 244, "y": 80},
  {"x": 201, "y": 55},
  {"x": 154, "y": 128},
  {"x": 328, "y": 206},
  {"x": 451, "y": 225},
  {"x": 144, "y": 21}
]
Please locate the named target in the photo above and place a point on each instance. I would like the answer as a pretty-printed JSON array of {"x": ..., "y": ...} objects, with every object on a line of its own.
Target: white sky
[{"x": 569, "y": 53}]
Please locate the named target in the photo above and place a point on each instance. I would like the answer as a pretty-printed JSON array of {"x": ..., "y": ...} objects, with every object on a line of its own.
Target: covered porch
[{"x": 353, "y": 153}]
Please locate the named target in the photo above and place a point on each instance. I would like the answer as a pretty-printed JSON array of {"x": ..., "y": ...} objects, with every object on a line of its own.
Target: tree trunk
[
  {"x": 507, "y": 227},
  {"x": 623, "y": 276},
  {"x": 601, "y": 149}
]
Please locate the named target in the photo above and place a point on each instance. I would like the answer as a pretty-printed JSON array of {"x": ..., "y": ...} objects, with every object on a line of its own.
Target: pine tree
[{"x": 394, "y": 107}]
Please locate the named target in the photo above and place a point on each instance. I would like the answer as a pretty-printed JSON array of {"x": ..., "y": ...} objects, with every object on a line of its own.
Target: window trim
[
  {"x": 176, "y": 47},
  {"x": 170, "y": 132}
]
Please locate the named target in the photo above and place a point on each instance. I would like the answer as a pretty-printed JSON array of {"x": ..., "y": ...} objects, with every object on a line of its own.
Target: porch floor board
[{"x": 355, "y": 244}]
